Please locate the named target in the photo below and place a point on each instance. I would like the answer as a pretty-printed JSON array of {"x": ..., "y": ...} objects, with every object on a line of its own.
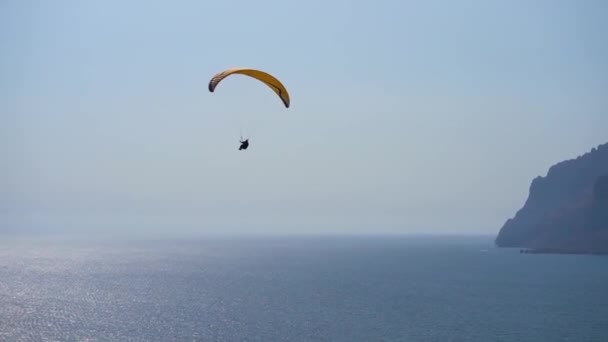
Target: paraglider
[{"x": 264, "y": 77}]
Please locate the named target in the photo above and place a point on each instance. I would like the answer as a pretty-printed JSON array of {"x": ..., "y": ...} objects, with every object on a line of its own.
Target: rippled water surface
[{"x": 297, "y": 289}]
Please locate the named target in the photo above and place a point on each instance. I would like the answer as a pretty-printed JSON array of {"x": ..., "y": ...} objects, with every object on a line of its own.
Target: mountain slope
[{"x": 565, "y": 210}]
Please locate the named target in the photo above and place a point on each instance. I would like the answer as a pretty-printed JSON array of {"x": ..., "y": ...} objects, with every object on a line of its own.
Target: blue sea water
[{"x": 332, "y": 288}]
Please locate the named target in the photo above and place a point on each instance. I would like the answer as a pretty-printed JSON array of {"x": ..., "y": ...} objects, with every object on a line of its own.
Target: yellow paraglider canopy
[{"x": 262, "y": 76}]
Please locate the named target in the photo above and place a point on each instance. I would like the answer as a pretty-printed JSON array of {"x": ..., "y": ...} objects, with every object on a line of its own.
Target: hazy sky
[{"x": 406, "y": 116}]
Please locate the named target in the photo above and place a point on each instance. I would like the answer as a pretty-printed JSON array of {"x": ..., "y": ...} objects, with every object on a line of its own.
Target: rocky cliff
[{"x": 567, "y": 210}]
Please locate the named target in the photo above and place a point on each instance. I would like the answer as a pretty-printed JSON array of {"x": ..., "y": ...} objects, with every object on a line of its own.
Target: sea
[{"x": 297, "y": 288}]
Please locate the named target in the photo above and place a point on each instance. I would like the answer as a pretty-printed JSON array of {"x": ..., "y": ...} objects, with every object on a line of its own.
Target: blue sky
[{"x": 406, "y": 116}]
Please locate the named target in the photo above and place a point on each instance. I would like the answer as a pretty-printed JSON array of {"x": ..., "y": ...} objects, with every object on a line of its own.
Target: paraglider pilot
[{"x": 244, "y": 144}]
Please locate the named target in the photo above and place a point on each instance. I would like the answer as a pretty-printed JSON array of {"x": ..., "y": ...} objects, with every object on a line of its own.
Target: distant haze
[{"x": 406, "y": 116}]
